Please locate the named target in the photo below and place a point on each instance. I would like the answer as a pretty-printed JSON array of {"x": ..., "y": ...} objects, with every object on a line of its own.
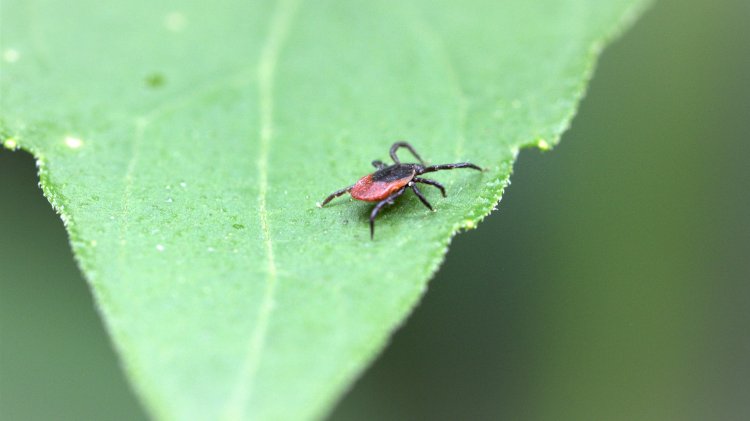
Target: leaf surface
[{"x": 186, "y": 146}]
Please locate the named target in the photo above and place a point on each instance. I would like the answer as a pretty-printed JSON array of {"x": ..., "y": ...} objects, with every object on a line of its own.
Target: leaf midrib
[{"x": 242, "y": 390}]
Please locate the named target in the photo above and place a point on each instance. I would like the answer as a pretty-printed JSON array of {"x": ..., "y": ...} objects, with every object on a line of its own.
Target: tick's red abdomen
[
  {"x": 382, "y": 183},
  {"x": 372, "y": 191}
]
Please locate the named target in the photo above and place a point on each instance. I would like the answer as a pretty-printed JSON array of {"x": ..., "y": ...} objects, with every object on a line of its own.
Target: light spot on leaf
[
  {"x": 11, "y": 56},
  {"x": 175, "y": 21},
  {"x": 159, "y": 247},
  {"x": 11, "y": 144},
  {"x": 73, "y": 142}
]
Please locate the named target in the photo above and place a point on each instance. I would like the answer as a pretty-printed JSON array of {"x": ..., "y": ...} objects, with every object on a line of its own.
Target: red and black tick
[{"x": 391, "y": 181}]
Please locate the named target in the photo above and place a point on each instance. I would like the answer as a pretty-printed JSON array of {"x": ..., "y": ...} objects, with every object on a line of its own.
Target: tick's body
[
  {"x": 383, "y": 182},
  {"x": 390, "y": 182}
]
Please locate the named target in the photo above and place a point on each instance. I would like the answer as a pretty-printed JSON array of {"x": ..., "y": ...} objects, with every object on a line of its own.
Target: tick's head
[{"x": 418, "y": 168}]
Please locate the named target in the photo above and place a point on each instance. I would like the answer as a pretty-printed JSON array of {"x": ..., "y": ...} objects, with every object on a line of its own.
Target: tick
[{"x": 391, "y": 181}]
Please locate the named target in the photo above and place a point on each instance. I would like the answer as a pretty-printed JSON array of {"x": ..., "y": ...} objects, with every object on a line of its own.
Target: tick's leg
[
  {"x": 430, "y": 182},
  {"x": 421, "y": 197},
  {"x": 335, "y": 195},
  {"x": 433, "y": 168},
  {"x": 378, "y": 164},
  {"x": 397, "y": 145},
  {"x": 376, "y": 209}
]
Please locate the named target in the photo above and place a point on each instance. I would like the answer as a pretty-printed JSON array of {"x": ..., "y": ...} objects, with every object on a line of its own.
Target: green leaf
[{"x": 186, "y": 146}]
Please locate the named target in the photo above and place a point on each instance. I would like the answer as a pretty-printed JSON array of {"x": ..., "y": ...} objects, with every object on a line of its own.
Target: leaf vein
[{"x": 243, "y": 388}]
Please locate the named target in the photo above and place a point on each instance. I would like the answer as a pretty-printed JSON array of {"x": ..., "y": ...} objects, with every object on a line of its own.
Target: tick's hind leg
[
  {"x": 421, "y": 197},
  {"x": 335, "y": 195},
  {"x": 376, "y": 209},
  {"x": 433, "y": 168},
  {"x": 430, "y": 182}
]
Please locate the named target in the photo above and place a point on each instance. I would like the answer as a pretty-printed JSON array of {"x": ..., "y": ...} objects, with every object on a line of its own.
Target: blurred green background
[{"x": 613, "y": 282}]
